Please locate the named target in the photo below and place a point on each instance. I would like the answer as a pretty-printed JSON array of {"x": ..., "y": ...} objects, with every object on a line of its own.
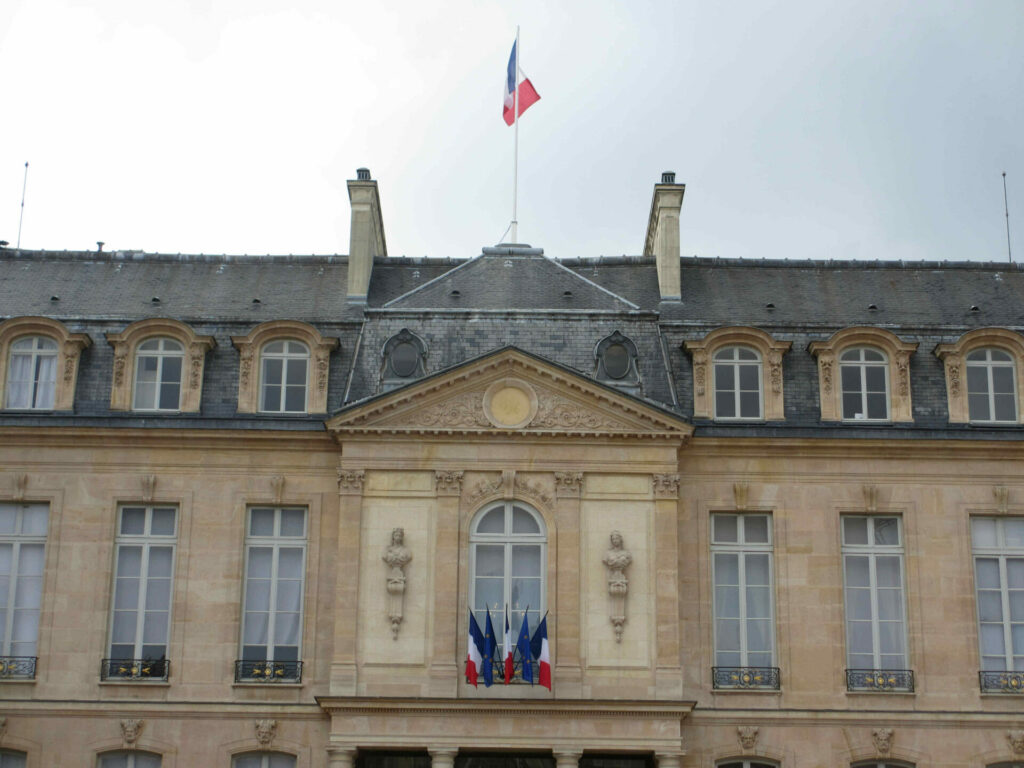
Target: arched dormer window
[
  {"x": 158, "y": 366},
  {"x": 745, "y": 377},
  {"x": 615, "y": 362},
  {"x": 508, "y": 566},
  {"x": 269, "y": 368},
  {"x": 38, "y": 364},
  {"x": 403, "y": 358},
  {"x": 984, "y": 384},
  {"x": 864, "y": 374}
]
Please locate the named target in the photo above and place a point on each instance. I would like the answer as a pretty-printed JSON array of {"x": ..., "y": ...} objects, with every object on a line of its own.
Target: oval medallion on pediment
[{"x": 510, "y": 403}]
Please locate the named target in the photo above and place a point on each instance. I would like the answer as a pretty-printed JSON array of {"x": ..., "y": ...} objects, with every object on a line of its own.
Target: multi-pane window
[
  {"x": 881, "y": 764},
  {"x": 741, "y": 565},
  {"x": 746, "y": 764},
  {"x": 143, "y": 580},
  {"x": 991, "y": 386},
  {"x": 158, "y": 366},
  {"x": 999, "y": 579},
  {"x": 22, "y": 541},
  {"x": 875, "y": 605},
  {"x": 274, "y": 579},
  {"x": 263, "y": 760},
  {"x": 285, "y": 368},
  {"x": 864, "y": 373},
  {"x": 129, "y": 759},
  {"x": 737, "y": 375},
  {"x": 9, "y": 759},
  {"x": 32, "y": 374},
  {"x": 507, "y": 560}
]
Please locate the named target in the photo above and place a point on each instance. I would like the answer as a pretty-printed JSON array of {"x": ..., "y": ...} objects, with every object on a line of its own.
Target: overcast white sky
[{"x": 801, "y": 129}]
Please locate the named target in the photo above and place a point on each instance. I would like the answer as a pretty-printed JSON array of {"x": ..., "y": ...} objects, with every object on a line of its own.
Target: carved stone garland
[
  {"x": 617, "y": 559},
  {"x": 397, "y": 556}
]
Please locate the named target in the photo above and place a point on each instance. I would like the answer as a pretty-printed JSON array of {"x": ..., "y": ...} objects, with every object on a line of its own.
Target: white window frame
[
  {"x": 264, "y": 758},
  {"x": 741, "y": 548},
  {"x": 746, "y": 763},
  {"x": 1001, "y": 552},
  {"x": 42, "y": 347},
  {"x": 735, "y": 363},
  {"x": 133, "y": 758},
  {"x": 18, "y": 540},
  {"x": 881, "y": 764},
  {"x": 508, "y": 540},
  {"x": 860, "y": 365},
  {"x": 873, "y": 551},
  {"x": 12, "y": 758},
  {"x": 146, "y": 541},
  {"x": 167, "y": 348},
  {"x": 988, "y": 365},
  {"x": 275, "y": 542},
  {"x": 287, "y": 356}
]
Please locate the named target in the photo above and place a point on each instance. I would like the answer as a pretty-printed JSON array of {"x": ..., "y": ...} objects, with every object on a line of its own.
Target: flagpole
[{"x": 515, "y": 160}]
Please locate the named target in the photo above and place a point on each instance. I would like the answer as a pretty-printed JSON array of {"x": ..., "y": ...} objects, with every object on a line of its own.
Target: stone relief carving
[
  {"x": 739, "y": 493},
  {"x": 265, "y": 732},
  {"x": 321, "y": 373},
  {"x": 903, "y": 374},
  {"x": 120, "y": 361},
  {"x": 617, "y": 559},
  {"x": 195, "y": 363},
  {"x": 825, "y": 361},
  {"x": 131, "y": 729},
  {"x": 70, "y": 355},
  {"x": 568, "y": 483},
  {"x": 666, "y": 485},
  {"x": 245, "y": 366},
  {"x": 465, "y": 411},
  {"x": 1016, "y": 740},
  {"x": 20, "y": 485},
  {"x": 148, "y": 483},
  {"x": 747, "y": 734},
  {"x": 882, "y": 737},
  {"x": 1002, "y": 494},
  {"x": 3, "y": 727},
  {"x": 700, "y": 371},
  {"x": 448, "y": 483},
  {"x": 870, "y": 498},
  {"x": 277, "y": 486},
  {"x": 397, "y": 556},
  {"x": 953, "y": 369},
  {"x": 526, "y": 488},
  {"x": 484, "y": 489},
  {"x": 350, "y": 481},
  {"x": 775, "y": 370},
  {"x": 554, "y": 412}
]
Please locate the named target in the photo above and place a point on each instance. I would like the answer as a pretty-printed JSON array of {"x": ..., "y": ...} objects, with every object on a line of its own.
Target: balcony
[
  {"x": 151, "y": 670},
  {"x": 268, "y": 672},
  {"x": 880, "y": 680},
  {"x": 1001, "y": 682},
  {"x": 745, "y": 678},
  {"x": 18, "y": 667}
]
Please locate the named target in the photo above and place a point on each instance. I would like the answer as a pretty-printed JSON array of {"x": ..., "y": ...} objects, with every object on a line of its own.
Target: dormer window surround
[
  {"x": 403, "y": 358},
  {"x": 158, "y": 366},
  {"x": 984, "y": 384},
  {"x": 864, "y": 375},
  {"x": 39, "y": 364},
  {"x": 272, "y": 363},
  {"x": 615, "y": 362},
  {"x": 745, "y": 377}
]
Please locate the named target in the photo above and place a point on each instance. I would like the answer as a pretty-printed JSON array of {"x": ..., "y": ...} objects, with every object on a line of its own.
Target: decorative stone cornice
[
  {"x": 69, "y": 350},
  {"x": 666, "y": 486},
  {"x": 568, "y": 484},
  {"x": 448, "y": 483}
]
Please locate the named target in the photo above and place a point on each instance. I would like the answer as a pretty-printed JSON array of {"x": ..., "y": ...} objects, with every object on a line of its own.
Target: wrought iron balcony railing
[
  {"x": 135, "y": 669},
  {"x": 884, "y": 680},
  {"x": 17, "y": 667},
  {"x": 268, "y": 671},
  {"x": 1001, "y": 682},
  {"x": 745, "y": 678}
]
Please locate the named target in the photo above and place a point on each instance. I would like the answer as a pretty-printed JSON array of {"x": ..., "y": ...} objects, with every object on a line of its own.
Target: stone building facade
[{"x": 773, "y": 511}]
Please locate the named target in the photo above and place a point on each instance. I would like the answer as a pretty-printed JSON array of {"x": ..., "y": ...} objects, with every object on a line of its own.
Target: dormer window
[
  {"x": 615, "y": 360},
  {"x": 404, "y": 357},
  {"x": 32, "y": 376},
  {"x": 158, "y": 365}
]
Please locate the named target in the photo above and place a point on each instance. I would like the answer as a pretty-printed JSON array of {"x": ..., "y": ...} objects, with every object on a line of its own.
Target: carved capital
[
  {"x": 131, "y": 729},
  {"x": 747, "y": 735},
  {"x": 882, "y": 737},
  {"x": 666, "y": 486},
  {"x": 350, "y": 481},
  {"x": 568, "y": 484},
  {"x": 448, "y": 483},
  {"x": 265, "y": 732}
]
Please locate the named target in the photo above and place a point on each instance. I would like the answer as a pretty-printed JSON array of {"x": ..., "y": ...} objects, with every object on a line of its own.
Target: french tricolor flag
[
  {"x": 527, "y": 95},
  {"x": 541, "y": 652},
  {"x": 475, "y": 654},
  {"x": 509, "y": 648}
]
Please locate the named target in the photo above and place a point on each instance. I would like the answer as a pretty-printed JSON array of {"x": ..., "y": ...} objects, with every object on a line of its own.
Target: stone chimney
[
  {"x": 662, "y": 239},
  {"x": 366, "y": 238}
]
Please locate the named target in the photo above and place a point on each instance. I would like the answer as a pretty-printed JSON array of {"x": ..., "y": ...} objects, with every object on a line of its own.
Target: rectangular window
[
  {"x": 22, "y": 543},
  {"x": 876, "y": 637},
  {"x": 998, "y": 545},
  {"x": 275, "y": 566},
  {"x": 143, "y": 584},
  {"x": 741, "y": 564}
]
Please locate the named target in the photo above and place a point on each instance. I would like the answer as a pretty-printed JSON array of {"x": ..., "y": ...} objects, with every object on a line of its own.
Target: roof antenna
[
  {"x": 1005, "y": 207},
  {"x": 22, "y": 214}
]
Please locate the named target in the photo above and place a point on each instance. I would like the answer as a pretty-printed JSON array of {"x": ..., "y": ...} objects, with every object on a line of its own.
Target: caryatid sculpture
[
  {"x": 617, "y": 560},
  {"x": 397, "y": 556}
]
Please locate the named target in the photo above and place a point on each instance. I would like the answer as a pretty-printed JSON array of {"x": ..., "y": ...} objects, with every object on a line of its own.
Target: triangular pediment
[{"x": 509, "y": 392}]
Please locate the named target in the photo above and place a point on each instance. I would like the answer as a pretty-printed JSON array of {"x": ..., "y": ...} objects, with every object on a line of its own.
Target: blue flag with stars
[{"x": 490, "y": 645}]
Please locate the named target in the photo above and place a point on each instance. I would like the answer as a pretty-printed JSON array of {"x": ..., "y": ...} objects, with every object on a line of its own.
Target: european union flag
[
  {"x": 523, "y": 646},
  {"x": 490, "y": 645}
]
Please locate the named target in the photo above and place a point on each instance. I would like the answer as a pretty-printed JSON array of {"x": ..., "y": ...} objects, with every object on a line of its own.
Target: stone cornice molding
[
  {"x": 70, "y": 346},
  {"x": 771, "y": 351},
  {"x": 897, "y": 352},
  {"x": 249, "y": 346},
  {"x": 126, "y": 344},
  {"x": 562, "y": 709},
  {"x": 954, "y": 356}
]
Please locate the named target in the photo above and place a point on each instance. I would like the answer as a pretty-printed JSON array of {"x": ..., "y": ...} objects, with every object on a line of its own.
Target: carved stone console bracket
[
  {"x": 871, "y": 498},
  {"x": 617, "y": 559},
  {"x": 277, "y": 486},
  {"x": 740, "y": 494},
  {"x": 148, "y": 483},
  {"x": 1002, "y": 496},
  {"x": 397, "y": 556},
  {"x": 20, "y": 485}
]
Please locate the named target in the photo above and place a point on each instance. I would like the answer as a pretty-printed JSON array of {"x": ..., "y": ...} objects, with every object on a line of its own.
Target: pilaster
[
  {"x": 668, "y": 672},
  {"x": 350, "y": 510},
  {"x": 444, "y": 662},
  {"x": 568, "y": 671}
]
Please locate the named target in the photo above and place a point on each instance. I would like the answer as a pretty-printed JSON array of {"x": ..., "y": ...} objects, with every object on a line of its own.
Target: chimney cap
[
  {"x": 668, "y": 177},
  {"x": 363, "y": 174}
]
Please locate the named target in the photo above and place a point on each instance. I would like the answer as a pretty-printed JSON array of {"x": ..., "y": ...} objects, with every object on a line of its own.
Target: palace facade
[{"x": 773, "y": 511}]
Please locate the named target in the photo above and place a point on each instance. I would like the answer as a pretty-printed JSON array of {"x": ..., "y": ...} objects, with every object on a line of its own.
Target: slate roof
[{"x": 514, "y": 299}]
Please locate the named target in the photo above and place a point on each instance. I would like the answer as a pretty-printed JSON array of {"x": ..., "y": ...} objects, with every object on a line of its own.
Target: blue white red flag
[
  {"x": 527, "y": 95},
  {"x": 523, "y": 646},
  {"x": 509, "y": 648},
  {"x": 489, "y": 648},
  {"x": 541, "y": 652},
  {"x": 475, "y": 654}
]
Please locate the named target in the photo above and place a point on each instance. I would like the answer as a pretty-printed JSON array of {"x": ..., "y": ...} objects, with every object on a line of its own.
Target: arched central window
[
  {"x": 158, "y": 366},
  {"x": 32, "y": 376},
  {"x": 991, "y": 389},
  {"x": 508, "y": 556},
  {"x": 285, "y": 368},
  {"x": 737, "y": 383},
  {"x": 864, "y": 373}
]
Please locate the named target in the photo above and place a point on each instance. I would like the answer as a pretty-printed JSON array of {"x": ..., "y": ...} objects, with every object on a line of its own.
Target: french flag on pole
[
  {"x": 541, "y": 652},
  {"x": 527, "y": 95},
  {"x": 509, "y": 648},
  {"x": 475, "y": 655}
]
